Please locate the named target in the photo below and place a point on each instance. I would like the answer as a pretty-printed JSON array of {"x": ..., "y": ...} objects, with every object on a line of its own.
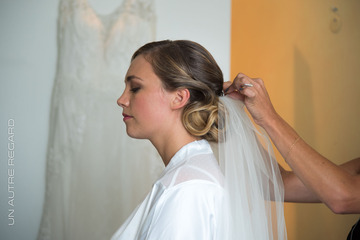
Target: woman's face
[{"x": 145, "y": 103}]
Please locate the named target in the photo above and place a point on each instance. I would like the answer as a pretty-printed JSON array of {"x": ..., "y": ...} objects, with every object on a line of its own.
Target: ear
[{"x": 181, "y": 97}]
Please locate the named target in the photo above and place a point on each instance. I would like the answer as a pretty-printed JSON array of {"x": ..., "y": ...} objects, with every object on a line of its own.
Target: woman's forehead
[{"x": 140, "y": 69}]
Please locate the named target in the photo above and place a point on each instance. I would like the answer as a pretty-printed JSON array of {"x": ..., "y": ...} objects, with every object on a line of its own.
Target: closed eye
[{"x": 134, "y": 90}]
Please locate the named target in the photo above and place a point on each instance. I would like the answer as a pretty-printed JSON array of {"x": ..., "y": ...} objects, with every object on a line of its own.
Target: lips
[{"x": 126, "y": 117}]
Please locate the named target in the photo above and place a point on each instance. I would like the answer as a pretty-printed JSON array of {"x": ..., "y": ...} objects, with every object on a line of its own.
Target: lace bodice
[{"x": 100, "y": 46}]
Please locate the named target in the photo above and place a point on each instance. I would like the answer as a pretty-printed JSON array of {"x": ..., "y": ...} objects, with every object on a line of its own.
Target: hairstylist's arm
[
  {"x": 296, "y": 191},
  {"x": 338, "y": 187}
]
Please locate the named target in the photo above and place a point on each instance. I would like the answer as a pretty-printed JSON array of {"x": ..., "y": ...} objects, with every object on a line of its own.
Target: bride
[{"x": 173, "y": 98}]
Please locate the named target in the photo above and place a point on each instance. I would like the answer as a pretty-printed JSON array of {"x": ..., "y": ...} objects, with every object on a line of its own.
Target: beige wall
[{"x": 313, "y": 76}]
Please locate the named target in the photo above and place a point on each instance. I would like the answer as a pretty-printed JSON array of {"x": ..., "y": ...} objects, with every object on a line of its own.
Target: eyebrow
[{"x": 131, "y": 77}]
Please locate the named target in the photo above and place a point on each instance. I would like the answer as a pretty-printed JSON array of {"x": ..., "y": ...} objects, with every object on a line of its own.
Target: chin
[{"x": 135, "y": 134}]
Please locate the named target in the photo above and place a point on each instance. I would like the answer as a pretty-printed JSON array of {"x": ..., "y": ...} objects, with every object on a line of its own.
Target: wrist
[{"x": 270, "y": 122}]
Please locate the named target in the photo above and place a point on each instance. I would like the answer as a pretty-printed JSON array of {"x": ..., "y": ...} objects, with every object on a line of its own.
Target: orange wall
[{"x": 313, "y": 77}]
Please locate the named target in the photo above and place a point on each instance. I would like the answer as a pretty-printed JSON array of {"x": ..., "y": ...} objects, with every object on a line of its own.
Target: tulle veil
[{"x": 253, "y": 208}]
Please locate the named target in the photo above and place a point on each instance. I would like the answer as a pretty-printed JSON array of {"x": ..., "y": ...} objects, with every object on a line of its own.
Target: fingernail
[{"x": 227, "y": 89}]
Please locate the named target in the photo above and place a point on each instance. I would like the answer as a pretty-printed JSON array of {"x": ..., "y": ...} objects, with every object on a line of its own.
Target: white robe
[{"x": 184, "y": 203}]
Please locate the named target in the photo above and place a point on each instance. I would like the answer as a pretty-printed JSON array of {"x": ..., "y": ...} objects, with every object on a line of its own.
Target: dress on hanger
[{"x": 90, "y": 183}]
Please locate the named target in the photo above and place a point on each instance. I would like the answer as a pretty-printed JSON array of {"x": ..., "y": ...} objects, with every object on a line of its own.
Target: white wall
[{"x": 27, "y": 69}]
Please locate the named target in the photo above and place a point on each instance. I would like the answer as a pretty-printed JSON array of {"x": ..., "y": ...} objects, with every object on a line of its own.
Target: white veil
[{"x": 253, "y": 182}]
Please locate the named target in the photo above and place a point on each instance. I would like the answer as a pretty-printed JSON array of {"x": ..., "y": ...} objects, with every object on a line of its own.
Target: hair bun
[{"x": 201, "y": 120}]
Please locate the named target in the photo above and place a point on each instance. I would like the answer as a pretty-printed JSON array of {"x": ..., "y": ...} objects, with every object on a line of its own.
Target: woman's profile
[{"x": 173, "y": 98}]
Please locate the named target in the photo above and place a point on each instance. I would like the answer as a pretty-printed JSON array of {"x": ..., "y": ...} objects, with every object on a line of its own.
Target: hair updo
[{"x": 184, "y": 64}]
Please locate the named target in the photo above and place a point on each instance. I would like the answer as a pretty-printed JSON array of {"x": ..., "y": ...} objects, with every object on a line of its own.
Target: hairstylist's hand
[{"x": 254, "y": 95}]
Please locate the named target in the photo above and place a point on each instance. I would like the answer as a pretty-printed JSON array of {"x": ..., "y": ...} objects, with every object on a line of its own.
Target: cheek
[{"x": 153, "y": 108}]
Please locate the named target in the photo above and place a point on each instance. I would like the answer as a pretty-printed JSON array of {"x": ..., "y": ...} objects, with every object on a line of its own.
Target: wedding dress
[{"x": 91, "y": 185}]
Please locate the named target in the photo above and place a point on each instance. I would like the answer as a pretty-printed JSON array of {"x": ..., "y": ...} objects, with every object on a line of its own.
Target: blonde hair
[{"x": 185, "y": 64}]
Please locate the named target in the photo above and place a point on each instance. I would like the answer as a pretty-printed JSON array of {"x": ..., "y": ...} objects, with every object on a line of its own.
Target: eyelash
[{"x": 134, "y": 90}]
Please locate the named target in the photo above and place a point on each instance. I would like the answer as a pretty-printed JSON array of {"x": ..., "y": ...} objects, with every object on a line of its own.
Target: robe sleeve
[{"x": 186, "y": 211}]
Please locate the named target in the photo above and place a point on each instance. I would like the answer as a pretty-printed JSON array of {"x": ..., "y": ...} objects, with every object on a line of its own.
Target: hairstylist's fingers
[
  {"x": 244, "y": 88},
  {"x": 248, "y": 91},
  {"x": 231, "y": 91},
  {"x": 259, "y": 81},
  {"x": 240, "y": 81},
  {"x": 226, "y": 86},
  {"x": 260, "y": 106},
  {"x": 245, "y": 85},
  {"x": 259, "y": 84},
  {"x": 261, "y": 89}
]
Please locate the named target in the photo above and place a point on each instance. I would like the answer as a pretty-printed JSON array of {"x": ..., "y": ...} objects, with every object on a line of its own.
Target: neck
[{"x": 170, "y": 145}]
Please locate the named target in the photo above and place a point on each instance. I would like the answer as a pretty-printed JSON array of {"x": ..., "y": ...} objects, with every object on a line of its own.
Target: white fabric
[
  {"x": 194, "y": 200},
  {"x": 184, "y": 203},
  {"x": 91, "y": 187},
  {"x": 255, "y": 192}
]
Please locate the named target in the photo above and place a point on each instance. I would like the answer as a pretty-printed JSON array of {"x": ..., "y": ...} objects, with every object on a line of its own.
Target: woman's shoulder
[
  {"x": 196, "y": 172},
  {"x": 195, "y": 192},
  {"x": 190, "y": 208},
  {"x": 194, "y": 187}
]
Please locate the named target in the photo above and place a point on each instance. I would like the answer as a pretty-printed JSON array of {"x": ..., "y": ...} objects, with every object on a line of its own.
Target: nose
[{"x": 123, "y": 101}]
